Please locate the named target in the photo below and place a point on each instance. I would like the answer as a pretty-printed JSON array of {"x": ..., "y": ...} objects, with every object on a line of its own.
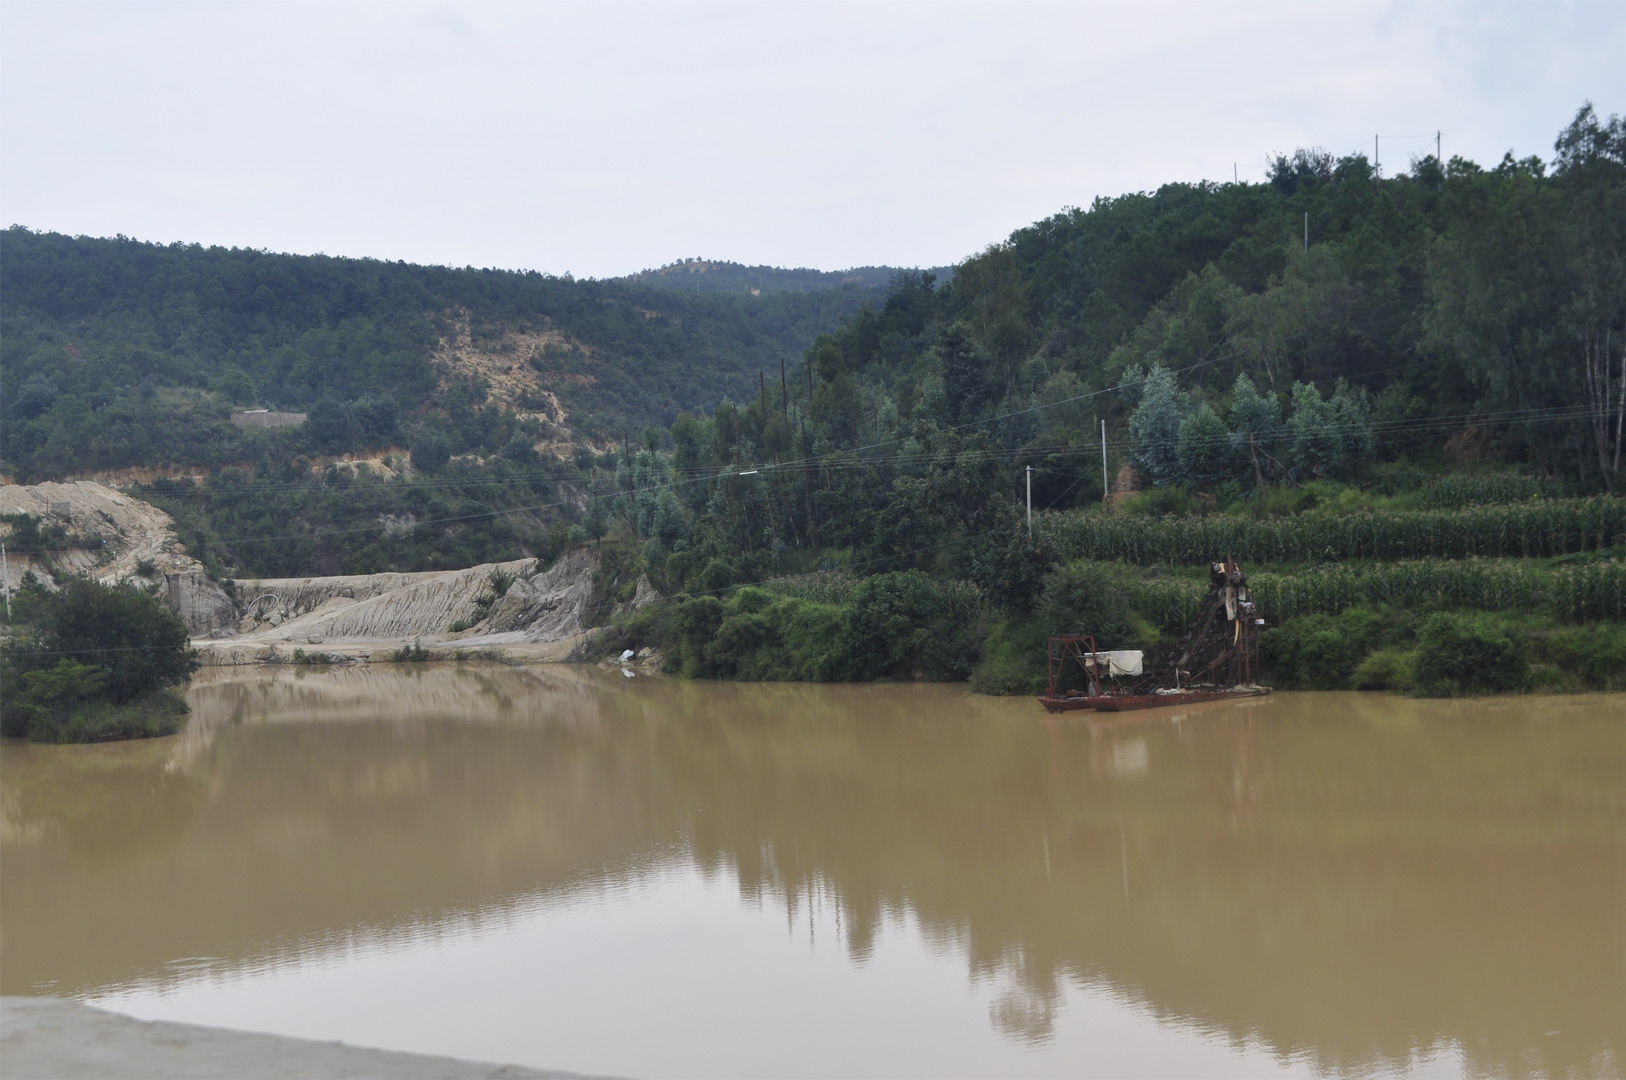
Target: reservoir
[{"x": 570, "y": 868}]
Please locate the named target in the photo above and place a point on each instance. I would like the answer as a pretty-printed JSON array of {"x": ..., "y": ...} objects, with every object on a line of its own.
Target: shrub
[
  {"x": 1386, "y": 669},
  {"x": 303, "y": 657},
  {"x": 151, "y": 715},
  {"x": 1463, "y": 654},
  {"x": 1315, "y": 652},
  {"x": 138, "y": 644},
  {"x": 1160, "y": 502},
  {"x": 1593, "y": 655},
  {"x": 1324, "y": 652},
  {"x": 500, "y": 582},
  {"x": 429, "y": 453},
  {"x": 1012, "y": 660},
  {"x": 1094, "y": 598},
  {"x": 907, "y": 625},
  {"x": 66, "y": 703},
  {"x": 410, "y": 654},
  {"x": 763, "y": 638}
]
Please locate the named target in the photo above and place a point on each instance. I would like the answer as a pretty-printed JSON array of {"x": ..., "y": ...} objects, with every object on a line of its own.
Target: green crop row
[
  {"x": 1459, "y": 491},
  {"x": 1534, "y": 529},
  {"x": 1571, "y": 594}
]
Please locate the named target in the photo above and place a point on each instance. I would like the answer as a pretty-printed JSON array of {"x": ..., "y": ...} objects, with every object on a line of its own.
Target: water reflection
[{"x": 1361, "y": 882}]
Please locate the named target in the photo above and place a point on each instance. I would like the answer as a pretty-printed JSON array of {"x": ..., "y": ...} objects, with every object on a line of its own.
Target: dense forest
[
  {"x": 121, "y": 353},
  {"x": 1401, "y": 399}
]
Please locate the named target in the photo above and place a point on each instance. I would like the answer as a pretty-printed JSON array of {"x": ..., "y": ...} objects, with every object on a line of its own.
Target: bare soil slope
[{"x": 511, "y": 608}]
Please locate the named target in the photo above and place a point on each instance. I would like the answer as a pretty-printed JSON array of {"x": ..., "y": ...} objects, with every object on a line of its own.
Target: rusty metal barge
[{"x": 1214, "y": 660}]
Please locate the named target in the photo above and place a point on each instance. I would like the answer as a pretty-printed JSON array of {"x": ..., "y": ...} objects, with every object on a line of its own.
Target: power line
[{"x": 1413, "y": 429}]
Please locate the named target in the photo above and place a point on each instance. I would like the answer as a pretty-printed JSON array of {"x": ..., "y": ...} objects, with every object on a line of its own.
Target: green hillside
[
  {"x": 1401, "y": 400},
  {"x": 1327, "y": 370},
  {"x": 120, "y": 353}
]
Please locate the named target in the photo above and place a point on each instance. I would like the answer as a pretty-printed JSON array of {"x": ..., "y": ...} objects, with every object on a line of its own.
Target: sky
[{"x": 599, "y": 139}]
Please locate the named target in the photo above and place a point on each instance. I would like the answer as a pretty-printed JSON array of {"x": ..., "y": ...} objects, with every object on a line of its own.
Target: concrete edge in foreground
[{"x": 54, "y": 1039}]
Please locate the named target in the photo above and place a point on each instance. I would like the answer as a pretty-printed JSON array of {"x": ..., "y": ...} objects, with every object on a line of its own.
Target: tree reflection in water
[{"x": 1360, "y": 879}]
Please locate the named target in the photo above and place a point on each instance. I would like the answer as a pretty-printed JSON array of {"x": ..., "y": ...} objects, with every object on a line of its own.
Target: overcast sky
[{"x": 600, "y": 139}]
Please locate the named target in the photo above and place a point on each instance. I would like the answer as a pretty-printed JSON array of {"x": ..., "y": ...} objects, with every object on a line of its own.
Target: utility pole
[
  {"x": 1307, "y": 230},
  {"x": 1030, "y": 505},
  {"x": 1377, "y": 165},
  {"x": 1437, "y": 150},
  {"x": 5, "y": 574},
  {"x": 1105, "y": 487},
  {"x": 1233, "y": 173}
]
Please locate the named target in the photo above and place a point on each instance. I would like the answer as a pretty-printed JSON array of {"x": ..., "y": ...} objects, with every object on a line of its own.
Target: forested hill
[
  {"x": 1400, "y": 400},
  {"x": 1483, "y": 308},
  {"x": 705, "y": 275},
  {"x": 121, "y": 353}
]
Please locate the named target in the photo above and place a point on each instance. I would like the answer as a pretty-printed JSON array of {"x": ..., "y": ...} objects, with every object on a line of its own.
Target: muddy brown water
[{"x": 572, "y": 869}]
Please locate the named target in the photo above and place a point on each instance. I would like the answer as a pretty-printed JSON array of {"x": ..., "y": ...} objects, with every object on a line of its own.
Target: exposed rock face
[
  {"x": 551, "y": 606},
  {"x": 396, "y": 607},
  {"x": 369, "y": 616},
  {"x": 272, "y": 602},
  {"x": 121, "y": 534},
  {"x": 204, "y": 605}
]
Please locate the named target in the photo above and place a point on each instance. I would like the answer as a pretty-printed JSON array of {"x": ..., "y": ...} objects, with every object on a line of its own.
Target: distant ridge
[{"x": 707, "y": 275}]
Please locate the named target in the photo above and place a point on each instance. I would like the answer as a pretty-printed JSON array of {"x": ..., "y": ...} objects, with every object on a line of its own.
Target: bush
[
  {"x": 151, "y": 715},
  {"x": 1160, "y": 502},
  {"x": 766, "y": 638},
  {"x": 410, "y": 654},
  {"x": 1315, "y": 652},
  {"x": 1594, "y": 655},
  {"x": 500, "y": 582},
  {"x": 67, "y": 703},
  {"x": 138, "y": 644},
  {"x": 1013, "y": 660},
  {"x": 1095, "y": 598},
  {"x": 1327, "y": 652},
  {"x": 1463, "y": 654},
  {"x": 429, "y": 453},
  {"x": 1386, "y": 669},
  {"x": 907, "y": 625}
]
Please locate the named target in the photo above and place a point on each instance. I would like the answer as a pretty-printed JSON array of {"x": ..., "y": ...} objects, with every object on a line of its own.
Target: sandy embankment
[{"x": 541, "y": 617}]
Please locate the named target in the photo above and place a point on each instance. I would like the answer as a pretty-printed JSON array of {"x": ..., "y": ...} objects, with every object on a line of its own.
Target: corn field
[
  {"x": 1540, "y": 528},
  {"x": 1462, "y": 490},
  {"x": 1570, "y": 594}
]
